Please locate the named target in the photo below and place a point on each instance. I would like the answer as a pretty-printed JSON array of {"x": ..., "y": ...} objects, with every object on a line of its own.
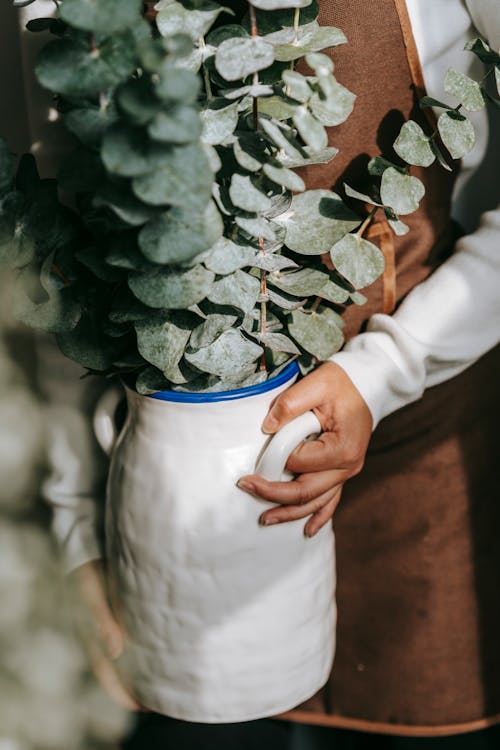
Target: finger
[
  {"x": 303, "y": 489},
  {"x": 322, "y": 454},
  {"x": 308, "y": 393},
  {"x": 323, "y": 515},
  {"x": 293, "y": 512}
]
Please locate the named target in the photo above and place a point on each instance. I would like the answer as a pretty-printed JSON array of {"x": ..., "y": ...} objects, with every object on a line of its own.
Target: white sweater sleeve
[{"x": 448, "y": 321}]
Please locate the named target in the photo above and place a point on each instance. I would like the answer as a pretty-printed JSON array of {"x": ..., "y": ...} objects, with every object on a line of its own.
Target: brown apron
[{"x": 418, "y": 556}]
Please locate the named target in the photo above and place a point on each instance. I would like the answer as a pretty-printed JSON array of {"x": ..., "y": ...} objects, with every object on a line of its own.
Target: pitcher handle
[
  {"x": 272, "y": 462},
  {"x": 104, "y": 423}
]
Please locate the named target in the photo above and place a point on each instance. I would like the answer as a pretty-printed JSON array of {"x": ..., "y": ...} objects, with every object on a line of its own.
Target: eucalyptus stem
[
  {"x": 367, "y": 222},
  {"x": 206, "y": 76},
  {"x": 296, "y": 18}
]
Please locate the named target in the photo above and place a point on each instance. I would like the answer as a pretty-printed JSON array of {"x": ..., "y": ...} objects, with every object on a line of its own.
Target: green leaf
[
  {"x": 229, "y": 353},
  {"x": 359, "y": 261},
  {"x": 412, "y": 145},
  {"x": 310, "y": 38},
  {"x": 316, "y": 220},
  {"x": 226, "y": 256},
  {"x": 277, "y": 342},
  {"x": 483, "y": 51},
  {"x": 247, "y": 157},
  {"x": 245, "y": 195},
  {"x": 319, "y": 333},
  {"x": 177, "y": 85},
  {"x": 360, "y": 196},
  {"x": 321, "y": 64},
  {"x": 465, "y": 89},
  {"x": 210, "y": 329},
  {"x": 172, "y": 290},
  {"x": 125, "y": 205},
  {"x": 103, "y": 17},
  {"x": 336, "y": 107},
  {"x": 58, "y": 312},
  {"x": 181, "y": 124},
  {"x": 270, "y": 261},
  {"x": 128, "y": 152},
  {"x": 73, "y": 68},
  {"x": 6, "y": 166},
  {"x": 184, "y": 180},
  {"x": 284, "y": 301},
  {"x": 309, "y": 282},
  {"x": 296, "y": 85},
  {"x": 238, "y": 57},
  {"x": 280, "y": 4},
  {"x": 402, "y": 192},
  {"x": 89, "y": 346},
  {"x": 285, "y": 177},
  {"x": 457, "y": 135},
  {"x": 440, "y": 156},
  {"x": 277, "y": 136},
  {"x": 310, "y": 129},
  {"x": 219, "y": 121},
  {"x": 138, "y": 101},
  {"x": 277, "y": 107},
  {"x": 378, "y": 165},
  {"x": 178, "y": 235},
  {"x": 89, "y": 124},
  {"x": 311, "y": 157},
  {"x": 428, "y": 101},
  {"x": 174, "y": 18},
  {"x": 162, "y": 340},
  {"x": 151, "y": 380},
  {"x": 238, "y": 289},
  {"x": 259, "y": 227}
]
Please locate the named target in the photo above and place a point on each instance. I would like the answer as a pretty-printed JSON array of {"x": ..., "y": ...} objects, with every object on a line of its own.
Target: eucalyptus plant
[{"x": 191, "y": 255}]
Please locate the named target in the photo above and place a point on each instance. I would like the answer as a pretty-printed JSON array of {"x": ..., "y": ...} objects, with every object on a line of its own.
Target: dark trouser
[{"x": 324, "y": 738}]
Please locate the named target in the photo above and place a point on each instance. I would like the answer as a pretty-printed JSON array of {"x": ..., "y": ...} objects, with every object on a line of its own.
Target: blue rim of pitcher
[{"x": 252, "y": 390}]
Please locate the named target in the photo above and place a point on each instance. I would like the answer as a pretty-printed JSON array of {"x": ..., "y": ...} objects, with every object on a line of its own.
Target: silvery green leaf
[
  {"x": 254, "y": 91},
  {"x": 245, "y": 158},
  {"x": 319, "y": 333},
  {"x": 226, "y": 256},
  {"x": 315, "y": 221},
  {"x": 238, "y": 57},
  {"x": 359, "y": 196},
  {"x": 358, "y": 299},
  {"x": 226, "y": 355},
  {"x": 89, "y": 123},
  {"x": 310, "y": 38},
  {"x": 320, "y": 63},
  {"x": 276, "y": 106},
  {"x": 311, "y": 131},
  {"x": 323, "y": 157},
  {"x": 213, "y": 158},
  {"x": 402, "y": 192},
  {"x": 219, "y": 121},
  {"x": 175, "y": 19},
  {"x": 440, "y": 156},
  {"x": 258, "y": 227},
  {"x": 238, "y": 289},
  {"x": 378, "y": 165},
  {"x": 398, "y": 227},
  {"x": 296, "y": 85},
  {"x": 359, "y": 261},
  {"x": 279, "y": 4},
  {"x": 483, "y": 51},
  {"x": 178, "y": 235},
  {"x": 278, "y": 342},
  {"x": 171, "y": 290},
  {"x": 151, "y": 380},
  {"x": 162, "y": 341},
  {"x": 309, "y": 282},
  {"x": 176, "y": 84},
  {"x": 284, "y": 301},
  {"x": 281, "y": 36},
  {"x": 124, "y": 204},
  {"x": 108, "y": 17},
  {"x": 285, "y": 177},
  {"x": 184, "y": 180},
  {"x": 245, "y": 195},
  {"x": 210, "y": 329},
  {"x": 497, "y": 77},
  {"x": 429, "y": 101},
  {"x": 281, "y": 202},
  {"x": 465, "y": 89},
  {"x": 180, "y": 124},
  {"x": 457, "y": 135},
  {"x": 276, "y": 135},
  {"x": 337, "y": 106},
  {"x": 58, "y": 313},
  {"x": 413, "y": 146},
  {"x": 89, "y": 346},
  {"x": 272, "y": 262},
  {"x": 128, "y": 152}
]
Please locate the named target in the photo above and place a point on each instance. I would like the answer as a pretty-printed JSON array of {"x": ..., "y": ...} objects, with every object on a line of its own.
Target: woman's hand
[
  {"x": 105, "y": 639},
  {"x": 323, "y": 465}
]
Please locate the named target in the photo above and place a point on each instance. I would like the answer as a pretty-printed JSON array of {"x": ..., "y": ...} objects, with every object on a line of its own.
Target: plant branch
[{"x": 367, "y": 221}]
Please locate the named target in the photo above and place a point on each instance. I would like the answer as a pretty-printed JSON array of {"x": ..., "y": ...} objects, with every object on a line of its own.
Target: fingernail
[
  {"x": 270, "y": 424},
  {"x": 266, "y": 521},
  {"x": 308, "y": 533},
  {"x": 243, "y": 484}
]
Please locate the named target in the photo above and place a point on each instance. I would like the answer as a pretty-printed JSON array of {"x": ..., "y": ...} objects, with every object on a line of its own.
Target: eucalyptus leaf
[
  {"x": 181, "y": 124},
  {"x": 457, "y": 135},
  {"x": 172, "y": 290},
  {"x": 358, "y": 260},
  {"x": 57, "y": 313},
  {"x": 360, "y": 196},
  {"x": 226, "y": 355},
  {"x": 277, "y": 136},
  {"x": 297, "y": 85},
  {"x": 310, "y": 38},
  {"x": 258, "y": 227},
  {"x": 280, "y": 4},
  {"x": 311, "y": 157},
  {"x": 465, "y": 89},
  {"x": 104, "y": 17},
  {"x": 210, "y": 329},
  {"x": 319, "y": 333},
  {"x": 285, "y": 177},
  {"x": 89, "y": 346},
  {"x": 320, "y": 63},
  {"x": 90, "y": 123},
  {"x": 336, "y": 107},
  {"x": 128, "y": 152},
  {"x": 402, "y": 192},
  {"x": 277, "y": 107},
  {"x": 316, "y": 220},
  {"x": 378, "y": 165},
  {"x": 125, "y": 205},
  {"x": 284, "y": 301},
  {"x": 239, "y": 57},
  {"x": 6, "y": 165},
  {"x": 162, "y": 340},
  {"x": 179, "y": 234},
  {"x": 174, "y": 19},
  {"x": 278, "y": 342},
  {"x": 73, "y": 68},
  {"x": 483, "y": 51},
  {"x": 226, "y": 256},
  {"x": 429, "y": 101},
  {"x": 151, "y": 380},
  {"x": 413, "y": 146},
  {"x": 238, "y": 289},
  {"x": 246, "y": 195},
  {"x": 248, "y": 158},
  {"x": 219, "y": 121},
  {"x": 309, "y": 282},
  {"x": 175, "y": 84},
  {"x": 184, "y": 180},
  {"x": 311, "y": 130}
]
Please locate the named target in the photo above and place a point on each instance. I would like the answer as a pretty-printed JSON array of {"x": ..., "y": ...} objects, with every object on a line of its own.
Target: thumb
[{"x": 296, "y": 400}]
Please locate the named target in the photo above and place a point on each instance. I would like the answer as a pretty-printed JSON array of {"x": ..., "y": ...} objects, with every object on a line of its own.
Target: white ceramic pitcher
[{"x": 226, "y": 620}]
